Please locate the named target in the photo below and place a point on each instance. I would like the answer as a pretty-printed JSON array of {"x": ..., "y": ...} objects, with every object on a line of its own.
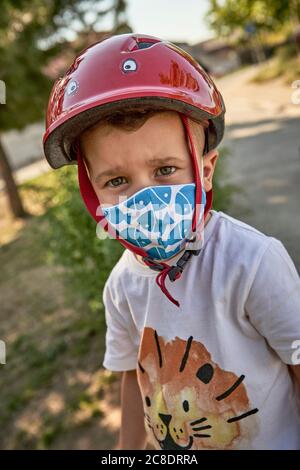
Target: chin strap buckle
[
  {"x": 153, "y": 264},
  {"x": 195, "y": 243},
  {"x": 174, "y": 272}
]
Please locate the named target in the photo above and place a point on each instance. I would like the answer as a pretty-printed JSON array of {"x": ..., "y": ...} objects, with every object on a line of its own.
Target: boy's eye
[
  {"x": 115, "y": 181},
  {"x": 165, "y": 170}
]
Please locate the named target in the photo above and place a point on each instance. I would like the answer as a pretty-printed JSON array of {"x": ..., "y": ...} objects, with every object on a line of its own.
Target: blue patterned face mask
[{"x": 157, "y": 219}]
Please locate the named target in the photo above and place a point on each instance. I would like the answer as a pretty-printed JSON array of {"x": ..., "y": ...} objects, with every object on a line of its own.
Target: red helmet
[
  {"x": 128, "y": 70},
  {"x": 131, "y": 71}
]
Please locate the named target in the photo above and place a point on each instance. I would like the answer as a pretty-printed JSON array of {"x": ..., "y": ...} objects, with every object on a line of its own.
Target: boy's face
[{"x": 121, "y": 162}]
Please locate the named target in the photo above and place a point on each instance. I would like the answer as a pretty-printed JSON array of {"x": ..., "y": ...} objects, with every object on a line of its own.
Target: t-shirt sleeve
[
  {"x": 121, "y": 349},
  {"x": 273, "y": 304}
]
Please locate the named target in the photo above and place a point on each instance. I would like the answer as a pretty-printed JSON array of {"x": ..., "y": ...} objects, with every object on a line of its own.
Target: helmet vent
[{"x": 145, "y": 44}]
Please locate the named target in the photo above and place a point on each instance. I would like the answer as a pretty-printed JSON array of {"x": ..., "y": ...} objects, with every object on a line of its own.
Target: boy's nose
[{"x": 141, "y": 185}]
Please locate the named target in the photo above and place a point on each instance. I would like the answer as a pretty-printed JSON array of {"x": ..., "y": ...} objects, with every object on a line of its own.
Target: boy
[{"x": 210, "y": 352}]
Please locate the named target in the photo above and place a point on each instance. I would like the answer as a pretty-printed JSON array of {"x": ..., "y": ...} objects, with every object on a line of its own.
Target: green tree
[
  {"x": 226, "y": 16},
  {"x": 31, "y": 33}
]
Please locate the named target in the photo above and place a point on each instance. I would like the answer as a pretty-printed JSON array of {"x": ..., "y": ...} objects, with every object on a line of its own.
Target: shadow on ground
[
  {"x": 54, "y": 393},
  {"x": 264, "y": 160}
]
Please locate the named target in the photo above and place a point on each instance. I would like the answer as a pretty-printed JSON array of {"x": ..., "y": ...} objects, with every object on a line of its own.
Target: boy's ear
[
  {"x": 209, "y": 164},
  {"x": 84, "y": 158},
  {"x": 87, "y": 165}
]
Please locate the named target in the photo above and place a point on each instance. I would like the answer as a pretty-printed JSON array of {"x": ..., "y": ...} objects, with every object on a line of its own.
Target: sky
[
  {"x": 178, "y": 20},
  {"x": 175, "y": 20}
]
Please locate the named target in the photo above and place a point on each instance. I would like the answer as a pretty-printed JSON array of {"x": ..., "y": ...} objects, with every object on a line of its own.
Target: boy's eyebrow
[{"x": 150, "y": 162}]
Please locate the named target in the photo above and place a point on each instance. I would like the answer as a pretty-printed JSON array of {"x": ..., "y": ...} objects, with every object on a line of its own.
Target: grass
[
  {"x": 53, "y": 338},
  {"x": 285, "y": 65}
]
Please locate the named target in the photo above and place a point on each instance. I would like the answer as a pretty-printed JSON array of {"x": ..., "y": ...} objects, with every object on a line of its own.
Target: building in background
[{"x": 215, "y": 55}]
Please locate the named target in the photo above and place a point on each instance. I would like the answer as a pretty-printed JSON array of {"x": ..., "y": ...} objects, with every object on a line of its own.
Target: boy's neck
[{"x": 169, "y": 261}]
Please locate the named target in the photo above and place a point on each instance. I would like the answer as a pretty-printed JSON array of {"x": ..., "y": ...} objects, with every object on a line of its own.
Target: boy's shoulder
[
  {"x": 238, "y": 225},
  {"x": 237, "y": 241},
  {"x": 235, "y": 232},
  {"x": 117, "y": 270}
]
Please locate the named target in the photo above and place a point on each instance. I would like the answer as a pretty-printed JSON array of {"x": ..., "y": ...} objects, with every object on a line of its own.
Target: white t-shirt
[{"x": 212, "y": 372}]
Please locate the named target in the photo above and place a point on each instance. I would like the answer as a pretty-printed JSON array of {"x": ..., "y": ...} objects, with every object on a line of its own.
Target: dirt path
[
  {"x": 54, "y": 393},
  {"x": 263, "y": 136}
]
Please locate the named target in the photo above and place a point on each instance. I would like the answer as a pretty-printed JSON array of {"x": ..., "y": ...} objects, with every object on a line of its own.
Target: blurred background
[{"x": 54, "y": 393}]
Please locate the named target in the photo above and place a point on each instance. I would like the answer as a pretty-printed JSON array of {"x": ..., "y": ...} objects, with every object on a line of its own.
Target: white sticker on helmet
[
  {"x": 72, "y": 87},
  {"x": 129, "y": 65}
]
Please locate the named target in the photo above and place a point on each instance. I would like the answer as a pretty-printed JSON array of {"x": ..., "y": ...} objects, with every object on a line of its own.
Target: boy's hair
[{"x": 133, "y": 119}]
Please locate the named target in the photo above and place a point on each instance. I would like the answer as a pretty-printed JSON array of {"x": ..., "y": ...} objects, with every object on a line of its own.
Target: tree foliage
[
  {"x": 226, "y": 16},
  {"x": 31, "y": 33}
]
